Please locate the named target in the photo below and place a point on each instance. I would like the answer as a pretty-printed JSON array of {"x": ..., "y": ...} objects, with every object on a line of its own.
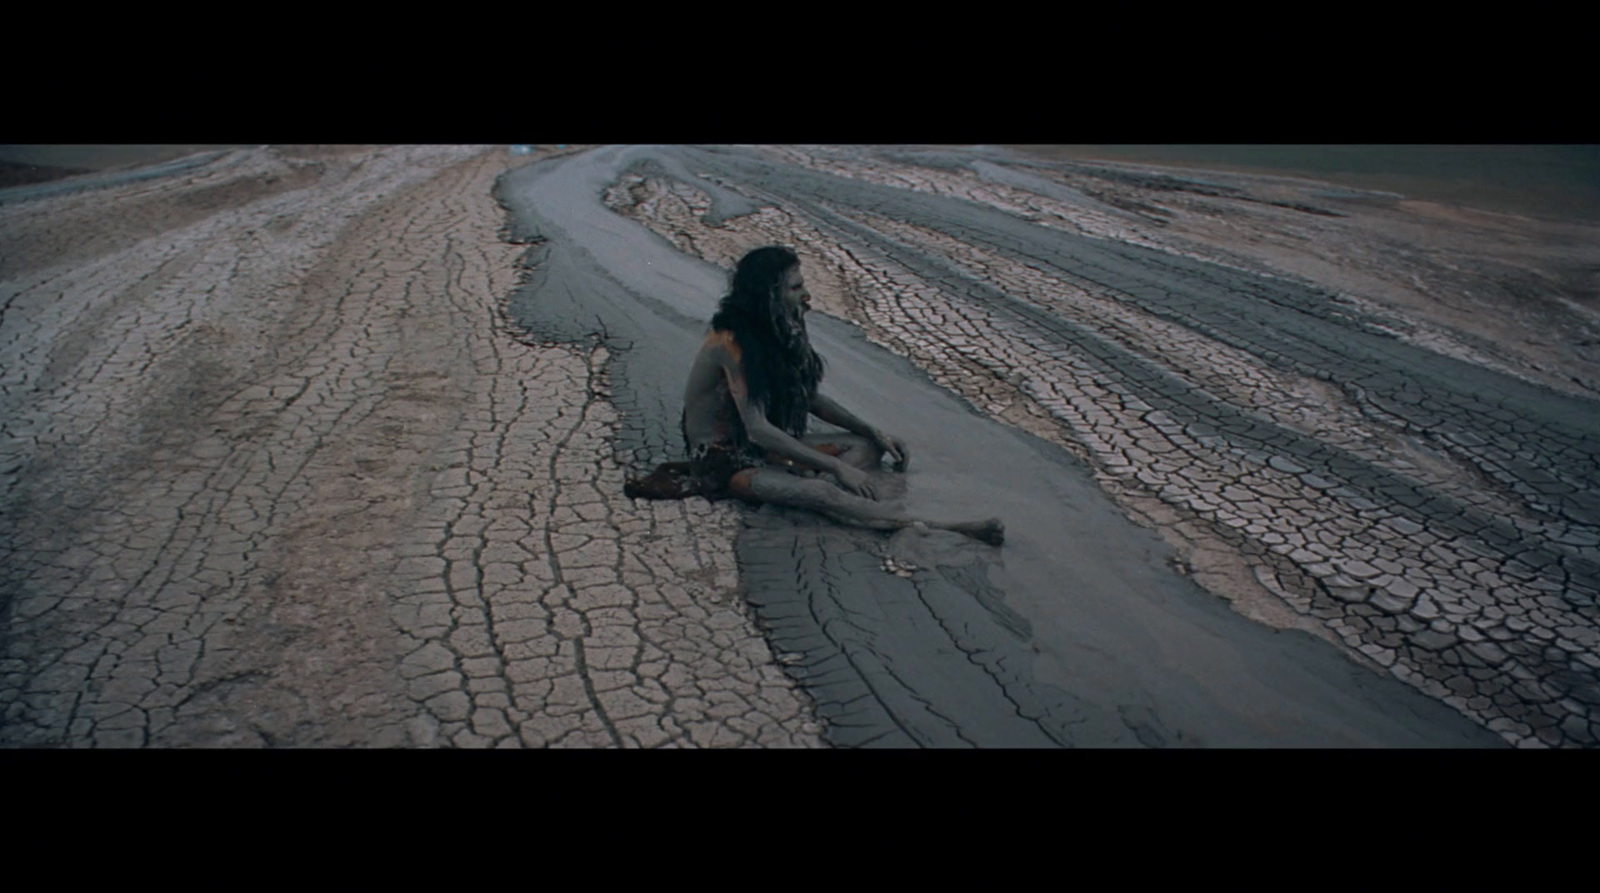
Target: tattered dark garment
[{"x": 709, "y": 473}]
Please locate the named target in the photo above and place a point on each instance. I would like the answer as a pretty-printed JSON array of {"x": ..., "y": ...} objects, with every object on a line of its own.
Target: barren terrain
[
  {"x": 306, "y": 446},
  {"x": 277, "y": 474}
]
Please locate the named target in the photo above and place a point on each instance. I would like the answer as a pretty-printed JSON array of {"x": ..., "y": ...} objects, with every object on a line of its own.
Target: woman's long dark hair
[{"x": 781, "y": 370}]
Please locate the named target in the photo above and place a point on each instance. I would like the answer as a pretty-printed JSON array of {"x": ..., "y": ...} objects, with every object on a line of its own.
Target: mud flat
[
  {"x": 1068, "y": 361},
  {"x": 310, "y": 446}
]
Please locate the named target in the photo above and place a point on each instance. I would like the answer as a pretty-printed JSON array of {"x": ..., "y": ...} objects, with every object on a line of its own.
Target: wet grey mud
[{"x": 314, "y": 447}]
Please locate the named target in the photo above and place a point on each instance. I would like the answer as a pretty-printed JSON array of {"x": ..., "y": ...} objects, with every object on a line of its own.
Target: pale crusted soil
[
  {"x": 1443, "y": 536},
  {"x": 276, "y": 472}
]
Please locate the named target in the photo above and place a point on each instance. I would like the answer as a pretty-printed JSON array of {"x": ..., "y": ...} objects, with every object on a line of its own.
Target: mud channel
[{"x": 1068, "y": 355}]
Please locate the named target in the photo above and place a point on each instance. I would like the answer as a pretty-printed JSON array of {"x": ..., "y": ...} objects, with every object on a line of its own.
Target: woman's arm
[
  {"x": 827, "y": 410},
  {"x": 770, "y": 437},
  {"x": 831, "y": 412}
]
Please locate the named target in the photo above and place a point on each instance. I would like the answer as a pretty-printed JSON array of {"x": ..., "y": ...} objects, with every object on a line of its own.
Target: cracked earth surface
[
  {"x": 1368, "y": 419},
  {"x": 277, "y": 471},
  {"x": 302, "y": 446}
]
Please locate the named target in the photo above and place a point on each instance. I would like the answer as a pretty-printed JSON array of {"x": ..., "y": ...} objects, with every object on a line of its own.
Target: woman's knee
[
  {"x": 740, "y": 485},
  {"x": 859, "y": 451},
  {"x": 870, "y": 458}
]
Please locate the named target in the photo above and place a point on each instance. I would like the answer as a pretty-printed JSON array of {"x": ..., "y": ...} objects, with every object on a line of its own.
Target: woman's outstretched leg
[{"x": 822, "y": 497}]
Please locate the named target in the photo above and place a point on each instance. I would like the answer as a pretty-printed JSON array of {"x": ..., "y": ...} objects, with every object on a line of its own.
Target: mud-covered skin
[
  {"x": 779, "y": 487},
  {"x": 1331, "y": 465},
  {"x": 718, "y": 394},
  {"x": 277, "y": 472}
]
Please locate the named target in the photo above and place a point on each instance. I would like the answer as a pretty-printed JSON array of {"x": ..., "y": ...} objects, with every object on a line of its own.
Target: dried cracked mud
[
  {"x": 321, "y": 447},
  {"x": 278, "y": 473}
]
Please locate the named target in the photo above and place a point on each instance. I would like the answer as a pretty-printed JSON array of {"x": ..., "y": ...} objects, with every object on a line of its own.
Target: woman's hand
[
  {"x": 894, "y": 448},
  {"x": 855, "y": 481}
]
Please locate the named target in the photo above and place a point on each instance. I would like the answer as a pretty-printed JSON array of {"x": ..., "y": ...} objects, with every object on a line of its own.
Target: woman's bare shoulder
[{"x": 721, "y": 341}]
